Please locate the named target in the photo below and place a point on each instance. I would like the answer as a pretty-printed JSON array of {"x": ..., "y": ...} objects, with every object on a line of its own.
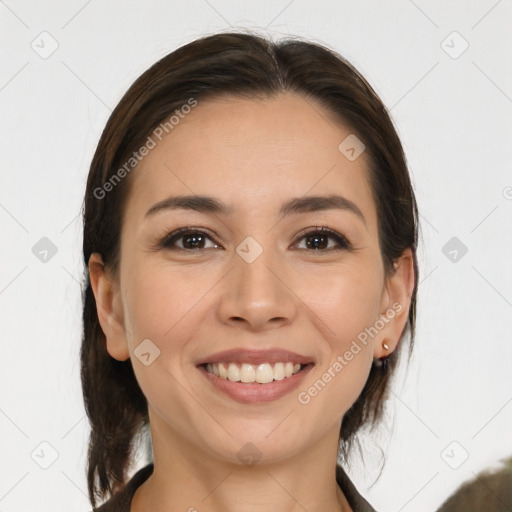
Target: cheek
[
  {"x": 334, "y": 389},
  {"x": 160, "y": 306},
  {"x": 159, "y": 300},
  {"x": 347, "y": 303},
  {"x": 346, "y": 299}
]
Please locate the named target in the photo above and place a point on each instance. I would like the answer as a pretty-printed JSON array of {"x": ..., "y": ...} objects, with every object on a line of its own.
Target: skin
[{"x": 253, "y": 155}]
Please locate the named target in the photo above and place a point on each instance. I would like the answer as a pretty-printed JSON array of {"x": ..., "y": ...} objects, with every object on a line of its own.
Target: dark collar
[
  {"x": 121, "y": 501},
  {"x": 355, "y": 500}
]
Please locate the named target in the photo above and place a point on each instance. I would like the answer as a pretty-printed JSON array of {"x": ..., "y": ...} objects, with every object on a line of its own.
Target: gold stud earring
[{"x": 383, "y": 362}]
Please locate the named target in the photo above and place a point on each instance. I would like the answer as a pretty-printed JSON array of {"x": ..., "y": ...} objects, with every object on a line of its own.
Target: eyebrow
[{"x": 298, "y": 205}]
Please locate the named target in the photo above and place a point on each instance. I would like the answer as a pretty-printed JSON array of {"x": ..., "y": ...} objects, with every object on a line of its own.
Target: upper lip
[{"x": 238, "y": 355}]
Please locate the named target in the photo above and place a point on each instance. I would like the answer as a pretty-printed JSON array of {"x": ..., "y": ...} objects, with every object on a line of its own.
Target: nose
[{"x": 256, "y": 295}]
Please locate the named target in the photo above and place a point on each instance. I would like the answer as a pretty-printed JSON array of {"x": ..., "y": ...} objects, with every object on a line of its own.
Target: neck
[{"x": 185, "y": 478}]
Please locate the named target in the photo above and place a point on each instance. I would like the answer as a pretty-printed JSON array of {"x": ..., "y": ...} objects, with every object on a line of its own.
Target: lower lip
[{"x": 254, "y": 392}]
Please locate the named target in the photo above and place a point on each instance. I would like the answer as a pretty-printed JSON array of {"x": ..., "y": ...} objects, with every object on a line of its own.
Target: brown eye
[
  {"x": 188, "y": 239},
  {"x": 323, "y": 239}
]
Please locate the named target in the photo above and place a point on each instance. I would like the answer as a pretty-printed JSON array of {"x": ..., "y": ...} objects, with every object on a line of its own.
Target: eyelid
[
  {"x": 177, "y": 233},
  {"x": 343, "y": 243}
]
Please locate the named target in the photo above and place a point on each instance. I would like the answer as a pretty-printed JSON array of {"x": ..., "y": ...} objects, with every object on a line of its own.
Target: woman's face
[{"x": 257, "y": 279}]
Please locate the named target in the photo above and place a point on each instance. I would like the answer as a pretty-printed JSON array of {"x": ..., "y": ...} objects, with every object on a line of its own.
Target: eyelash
[{"x": 343, "y": 243}]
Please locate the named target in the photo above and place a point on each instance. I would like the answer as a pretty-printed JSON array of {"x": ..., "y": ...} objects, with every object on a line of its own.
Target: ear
[
  {"x": 109, "y": 308},
  {"x": 396, "y": 299}
]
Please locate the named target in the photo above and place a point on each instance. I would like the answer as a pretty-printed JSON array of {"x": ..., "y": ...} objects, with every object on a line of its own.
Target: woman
[{"x": 250, "y": 237}]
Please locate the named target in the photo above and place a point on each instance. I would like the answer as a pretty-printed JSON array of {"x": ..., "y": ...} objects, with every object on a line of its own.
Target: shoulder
[
  {"x": 121, "y": 500},
  {"x": 355, "y": 500}
]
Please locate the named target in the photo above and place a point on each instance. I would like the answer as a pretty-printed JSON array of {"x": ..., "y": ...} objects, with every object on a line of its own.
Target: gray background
[{"x": 452, "y": 106}]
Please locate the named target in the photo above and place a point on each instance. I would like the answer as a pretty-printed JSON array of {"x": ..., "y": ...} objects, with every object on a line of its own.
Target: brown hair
[
  {"x": 233, "y": 64},
  {"x": 489, "y": 490}
]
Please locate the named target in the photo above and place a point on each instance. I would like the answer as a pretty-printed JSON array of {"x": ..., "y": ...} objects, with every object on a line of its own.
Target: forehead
[{"x": 252, "y": 154}]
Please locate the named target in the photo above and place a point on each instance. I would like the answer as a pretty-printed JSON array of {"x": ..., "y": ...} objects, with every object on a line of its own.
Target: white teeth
[
  {"x": 233, "y": 372},
  {"x": 247, "y": 373},
  {"x": 279, "y": 371},
  {"x": 262, "y": 374},
  {"x": 223, "y": 372}
]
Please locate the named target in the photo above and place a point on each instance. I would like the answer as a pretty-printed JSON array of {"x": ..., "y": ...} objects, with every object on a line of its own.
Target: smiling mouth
[{"x": 263, "y": 373}]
